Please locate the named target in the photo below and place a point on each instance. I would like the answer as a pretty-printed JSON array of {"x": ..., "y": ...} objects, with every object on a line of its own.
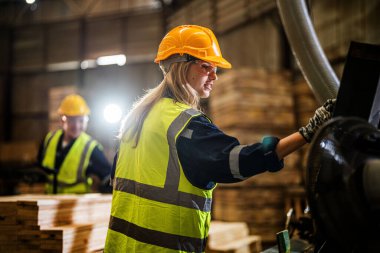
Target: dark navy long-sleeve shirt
[
  {"x": 209, "y": 156},
  {"x": 98, "y": 164}
]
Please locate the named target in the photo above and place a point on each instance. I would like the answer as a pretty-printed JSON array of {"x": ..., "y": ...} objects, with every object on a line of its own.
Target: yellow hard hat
[
  {"x": 73, "y": 105},
  {"x": 197, "y": 41}
]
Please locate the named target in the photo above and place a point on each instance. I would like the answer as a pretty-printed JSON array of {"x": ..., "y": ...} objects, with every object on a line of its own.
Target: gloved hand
[{"x": 322, "y": 114}]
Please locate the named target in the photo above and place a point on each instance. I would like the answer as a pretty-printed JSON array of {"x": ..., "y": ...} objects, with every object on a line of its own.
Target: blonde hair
[{"x": 175, "y": 84}]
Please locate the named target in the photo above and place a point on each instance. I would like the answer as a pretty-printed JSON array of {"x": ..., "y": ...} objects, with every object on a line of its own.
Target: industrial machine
[
  {"x": 343, "y": 186},
  {"x": 343, "y": 168}
]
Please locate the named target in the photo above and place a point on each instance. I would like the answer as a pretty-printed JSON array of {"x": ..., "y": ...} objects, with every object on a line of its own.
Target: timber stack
[
  {"x": 49, "y": 223},
  {"x": 249, "y": 104}
]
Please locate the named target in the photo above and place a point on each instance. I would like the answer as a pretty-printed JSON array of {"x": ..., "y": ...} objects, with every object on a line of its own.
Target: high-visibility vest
[
  {"x": 154, "y": 207},
  {"x": 71, "y": 176}
]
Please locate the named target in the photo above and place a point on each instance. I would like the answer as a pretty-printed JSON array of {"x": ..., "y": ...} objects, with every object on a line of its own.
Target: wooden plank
[
  {"x": 236, "y": 101},
  {"x": 241, "y": 245},
  {"x": 21, "y": 152},
  {"x": 29, "y": 221},
  {"x": 231, "y": 237}
]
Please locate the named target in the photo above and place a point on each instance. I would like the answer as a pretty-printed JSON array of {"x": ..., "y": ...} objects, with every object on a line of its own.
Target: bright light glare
[
  {"x": 118, "y": 59},
  {"x": 112, "y": 113},
  {"x": 30, "y": 1},
  {"x": 87, "y": 64}
]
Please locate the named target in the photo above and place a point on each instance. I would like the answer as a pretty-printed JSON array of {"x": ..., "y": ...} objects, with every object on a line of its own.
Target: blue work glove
[{"x": 322, "y": 114}]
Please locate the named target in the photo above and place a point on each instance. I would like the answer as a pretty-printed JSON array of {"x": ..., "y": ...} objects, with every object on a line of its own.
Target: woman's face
[{"x": 201, "y": 77}]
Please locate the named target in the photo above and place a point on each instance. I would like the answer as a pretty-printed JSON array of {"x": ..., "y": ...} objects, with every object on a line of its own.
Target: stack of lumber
[
  {"x": 254, "y": 99},
  {"x": 18, "y": 153},
  {"x": 262, "y": 208},
  {"x": 74, "y": 238},
  {"x": 8, "y": 224},
  {"x": 48, "y": 223},
  {"x": 30, "y": 188},
  {"x": 249, "y": 104},
  {"x": 232, "y": 237},
  {"x": 306, "y": 104},
  {"x": 17, "y": 163},
  {"x": 305, "y": 101}
]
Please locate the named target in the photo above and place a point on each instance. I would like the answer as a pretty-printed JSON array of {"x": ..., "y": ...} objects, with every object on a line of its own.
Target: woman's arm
[
  {"x": 305, "y": 134},
  {"x": 289, "y": 144}
]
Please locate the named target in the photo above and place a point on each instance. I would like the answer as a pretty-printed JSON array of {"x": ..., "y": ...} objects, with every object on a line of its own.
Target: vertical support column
[
  {"x": 82, "y": 50},
  {"x": 7, "y": 95}
]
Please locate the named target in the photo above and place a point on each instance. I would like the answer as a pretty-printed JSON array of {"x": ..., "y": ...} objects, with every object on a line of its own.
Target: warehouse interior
[{"x": 54, "y": 48}]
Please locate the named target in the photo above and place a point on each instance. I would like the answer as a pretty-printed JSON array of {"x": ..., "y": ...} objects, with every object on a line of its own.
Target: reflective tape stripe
[
  {"x": 80, "y": 178},
  {"x": 187, "y": 133},
  {"x": 169, "y": 193},
  {"x": 162, "y": 239},
  {"x": 234, "y": 161},
  {"x": 173, "y": 170},
  {"x": 163, "y": 195}
]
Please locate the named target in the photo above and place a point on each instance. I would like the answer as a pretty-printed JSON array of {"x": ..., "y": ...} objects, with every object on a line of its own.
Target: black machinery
[
  {"x": 343, "y": 186},
  {"x": 343, "y": 168}
]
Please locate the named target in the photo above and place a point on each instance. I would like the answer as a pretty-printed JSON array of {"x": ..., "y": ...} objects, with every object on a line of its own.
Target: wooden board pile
[
  {"x": 48, "y": 223},
  {"x": 306, "y": 104},
  {"x": 18, "y": 153},
  {"x": 262, "y": 208},
  {"x": 253, "y": 99},
  {"x": 30, "y": 188},
  {"x": 249, "y": 104},
  {"x": 232, "y": 237}
]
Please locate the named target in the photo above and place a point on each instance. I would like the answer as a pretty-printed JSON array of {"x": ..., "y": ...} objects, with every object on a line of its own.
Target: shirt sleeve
[
  {"x": 209, "y": 156},
  {"x": 40, "y": 157},
  {"x": 99, "y": 165}
]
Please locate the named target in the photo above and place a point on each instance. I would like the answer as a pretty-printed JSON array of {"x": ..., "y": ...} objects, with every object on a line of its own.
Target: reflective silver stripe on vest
[
  {"x": 163, "y": 195},
  {"x": 234, "y": 161},
  {"x": 173, "y": 171},
  {"x": 81, "y": 163},
  {"x": 162, "y": 239},
  {"x": 169, "y": 194},
  {"x": 187, "y": 133}
]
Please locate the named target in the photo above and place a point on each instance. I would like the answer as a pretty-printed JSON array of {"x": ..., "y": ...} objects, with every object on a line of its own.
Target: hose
[{"x": 307, "y": 50}]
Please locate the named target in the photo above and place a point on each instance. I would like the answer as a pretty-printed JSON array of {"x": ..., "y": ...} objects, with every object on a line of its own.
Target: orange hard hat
[
  {"x": 73, "y": 105},
  {"x": 197, "y": 41}
]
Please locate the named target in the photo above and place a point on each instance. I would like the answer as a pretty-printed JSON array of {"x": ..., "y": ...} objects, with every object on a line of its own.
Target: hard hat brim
[{"x": 218, "y": 61}]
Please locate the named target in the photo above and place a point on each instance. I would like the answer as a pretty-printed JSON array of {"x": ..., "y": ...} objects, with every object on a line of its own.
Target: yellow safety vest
[
  {"x": 154, "y": 207},
  {"x": 72, "y": 173}
]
